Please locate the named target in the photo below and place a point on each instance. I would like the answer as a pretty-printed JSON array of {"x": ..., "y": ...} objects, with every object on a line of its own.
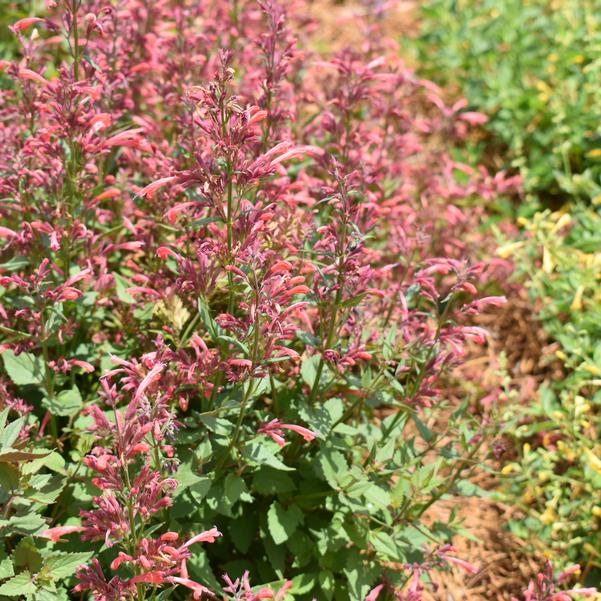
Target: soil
[{"x": 506, "y": 564}]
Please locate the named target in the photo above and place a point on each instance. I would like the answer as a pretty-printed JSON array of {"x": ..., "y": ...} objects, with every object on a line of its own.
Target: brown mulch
[
  {"x": 342, "y": 24},
  {"x": 506, "y": 563}
]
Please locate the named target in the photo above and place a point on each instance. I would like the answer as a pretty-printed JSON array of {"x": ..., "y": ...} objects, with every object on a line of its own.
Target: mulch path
[{"x": 506, "y": 564}]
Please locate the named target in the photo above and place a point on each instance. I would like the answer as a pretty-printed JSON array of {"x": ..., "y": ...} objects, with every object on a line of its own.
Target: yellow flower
[
  {"x": 560, "y": 355},
  {"x": 578, "y": 59},
  {"x": 593, "y": 461},
  {"x": 577, "y": 302},
  {"x": 508, "y": 469},
  {"x": 593, "y": 369},
  {"x": 507, "y": 250},
  {"x": 549, "y": 516},
  {"x": 564, "y": 220},
  {"x": 581, "y": 405},
  {"x": 593, "y": 154},
  {"x": 548, "y": 262},
  {"x": 596, "y": 200},
  {"x": 553, "y": 57},
  {"x": 596, "y": 511}
]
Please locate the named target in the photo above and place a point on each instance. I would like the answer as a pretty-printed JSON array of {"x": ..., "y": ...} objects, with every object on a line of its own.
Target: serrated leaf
[
  {"x": 282, "y": 523},
  {"x": 65, "y": 403},
  {"x": 268, "y": 481},
  {"x": 11, "y": 455},
  {"x": 25, "y": 524},
  {"x": 186, "y": 477},
  {"x": 61, "y": 565},
  {"x": 234, "y": 488},
  {"x": 333, "y": 466},
  {"x": 378, "y": 497},
  {"x": 21, "y": 584},
  {"x": 264, "y": 454},
  {"x": 23, "y": 369},
  {"x": 11, "y": 433},
  {"x": 384, "y": 544},
  {"x": 27, "y": 555},
  {"x": 6, "y": 568}
]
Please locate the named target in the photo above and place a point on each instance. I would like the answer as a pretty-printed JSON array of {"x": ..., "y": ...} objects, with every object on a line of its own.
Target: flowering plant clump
[
  {"x": 234, "y": 275},
  {"x": 547, "y": 587}
]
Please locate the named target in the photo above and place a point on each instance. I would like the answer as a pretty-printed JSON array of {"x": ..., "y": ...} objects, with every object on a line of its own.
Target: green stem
[
  {"x": 75, "y": 28},
  {"x": 329, "y": 340},
  {"x": 230, "y": 242}
]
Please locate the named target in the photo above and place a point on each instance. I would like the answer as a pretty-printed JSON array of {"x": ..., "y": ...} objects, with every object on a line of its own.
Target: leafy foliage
[
  {"x": 532, "y": 67},
  {"x": 558, "y": 471}
]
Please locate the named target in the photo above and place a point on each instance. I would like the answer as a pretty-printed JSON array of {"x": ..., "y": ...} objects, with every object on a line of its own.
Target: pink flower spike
[
  {"x": 464, "y": 565},
  {"x": 148, "y": 578},
  {"x": 173, "y": 212},
  {"x": 22, "y": 24},
  {"x": 150, "y": 189},
  {"x": 586, "y": 592},
  {"x": 571, "y": 570},
  {"x": 163, "y": 252},
  {"x": 32, "y": 76},
  {"x": 121, "y": 558},
  {"x": 54, "y": 534},
  {"x": 274, "y": 428},
  {"x": 473, "y": 118},
  {"x": 307, "y": 434},
  {"x": 198, "y": 589},
  {"x": 87, "y": 367},
  {"x": 6, "y": 232},
  {"x": 281, "y": 594},
  {"x": 374, "y": 593},
  {"x": 208, "y": 536},
  {"x": 152, "y": 376}
]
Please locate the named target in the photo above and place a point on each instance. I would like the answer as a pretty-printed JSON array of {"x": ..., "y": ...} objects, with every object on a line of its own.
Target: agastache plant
[{"x": 236, "y": 276}]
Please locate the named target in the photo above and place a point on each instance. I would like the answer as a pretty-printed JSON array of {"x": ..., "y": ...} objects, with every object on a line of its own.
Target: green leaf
[
  {"x": 21, "y": 584},
  {"x": 25, "y": 524},
  {"x": 309, "y": 369},
  {"x": 268, "y": 481},
  {"x": 120, "y": 286},
  {"x": 233, "y": 341},
  {"x": 61, "y": 565},
  {"x": 303, "y": 583},
  {"x": 186, "y": 478},
  {"x": 6, "y": 568},
  {"x": 11, "y": 433},
  {"x": 26, "y": 555},
  {"x": 66, "y": 402},
  {"x": 282, "y": 523},
  {"x": 11, "y": 455},
  {"x": 377, "y": 496},
  {"x": 242, "y": 532},
  {"x": 264, "y": 454},
  {"x": 333, "y": 466},
  {"x": 45, "y": 488},
  {"x": 424, "y": 431},
  {"x": 234, "y": 489},
  {"x": 23, "y": 369},
  {"x": 384, "y": 544}
]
